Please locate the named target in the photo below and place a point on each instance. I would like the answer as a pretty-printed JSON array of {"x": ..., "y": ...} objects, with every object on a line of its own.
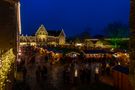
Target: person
[
  {"x": 82, "y": 75},
  {"x": 38, "y": 73},
  {"x": 44, "y": 72},
  {"x": 96, "y": 74},
  {"x": 88, "y": 75},
  {"x": 75, "y": 76},
  {"x": 64, "y": 75},
  {"x": 68, "y": 72},
  {"x": 24, "y": 73}
]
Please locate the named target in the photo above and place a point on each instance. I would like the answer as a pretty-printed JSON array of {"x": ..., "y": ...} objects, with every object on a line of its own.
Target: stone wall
[{"x": 8, "y": 23}]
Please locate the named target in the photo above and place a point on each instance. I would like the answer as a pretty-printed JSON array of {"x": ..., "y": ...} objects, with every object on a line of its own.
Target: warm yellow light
[
  {"x": 79, "y": 44},
  {"x": 76, "y": 73},
  {"x": 0, "y": 63},
  {"x": 97, "y": 70},
  {"x": 7, "y": 60}
]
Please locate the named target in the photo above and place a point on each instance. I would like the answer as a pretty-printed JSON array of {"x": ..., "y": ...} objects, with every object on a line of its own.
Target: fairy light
[
  {"x": 0, "y": 62},
  {"x": 7, "y": 60}
]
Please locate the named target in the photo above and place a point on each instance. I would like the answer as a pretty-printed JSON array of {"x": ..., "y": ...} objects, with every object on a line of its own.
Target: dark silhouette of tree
[
  {"x": 116, "y": 31},
  {"x": 77, "y": 40},
  {"x": 98, "y": 36},
  {"x": 82, "y": 36},
  {"x": 85, "y": 34}
]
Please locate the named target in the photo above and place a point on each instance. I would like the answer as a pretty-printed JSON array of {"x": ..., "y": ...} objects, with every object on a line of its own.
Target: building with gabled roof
[{"x": 44, "y": 36}]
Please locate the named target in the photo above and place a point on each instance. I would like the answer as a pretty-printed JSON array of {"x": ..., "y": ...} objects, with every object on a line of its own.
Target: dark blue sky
[{"x": 73, "y": 15}]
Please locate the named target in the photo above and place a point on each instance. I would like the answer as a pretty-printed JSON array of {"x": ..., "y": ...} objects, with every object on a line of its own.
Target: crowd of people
[
  {"x": 84, "y": 72},
  {"x": 77, "y": 70}
]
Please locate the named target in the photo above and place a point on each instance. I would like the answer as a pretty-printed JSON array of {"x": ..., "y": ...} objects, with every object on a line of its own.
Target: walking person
[
  {"x": 76, "y": 74},
  {"x": 75, "y": 77},
  {"x": 24, "y": 73},
  {"x": 38, "y": 73},
  {"x": 44, "y": 72}
]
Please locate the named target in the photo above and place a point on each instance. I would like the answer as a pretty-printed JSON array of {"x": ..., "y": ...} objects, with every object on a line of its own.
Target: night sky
[{"x": 74, "y": 16}]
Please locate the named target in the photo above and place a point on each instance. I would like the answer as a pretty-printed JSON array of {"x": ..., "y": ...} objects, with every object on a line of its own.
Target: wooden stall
[{"x": 121, "y": 79}]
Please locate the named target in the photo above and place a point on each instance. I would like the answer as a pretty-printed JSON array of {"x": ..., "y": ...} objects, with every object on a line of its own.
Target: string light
[
  {"x": 7, "y": 59},
  {"x": 0, "y": 62}
]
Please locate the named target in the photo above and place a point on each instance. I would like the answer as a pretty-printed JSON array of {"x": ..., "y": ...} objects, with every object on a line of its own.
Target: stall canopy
[
  {"x": 55, "y": 50},
  {"x": 97, "y": 51}
]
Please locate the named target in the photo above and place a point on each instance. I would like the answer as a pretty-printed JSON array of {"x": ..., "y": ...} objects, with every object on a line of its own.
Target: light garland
[{"x": 7, "y": 60}]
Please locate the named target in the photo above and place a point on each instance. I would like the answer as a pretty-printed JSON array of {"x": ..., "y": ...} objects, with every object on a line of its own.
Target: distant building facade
[
  {"x": 100, "y": 43},
  {"x": 43, "y": 37},
  {"x": 97, "y": 43}
]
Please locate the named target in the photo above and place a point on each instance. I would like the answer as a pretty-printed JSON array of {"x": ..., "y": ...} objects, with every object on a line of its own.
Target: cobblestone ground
[{"x": 54, "y": 81}]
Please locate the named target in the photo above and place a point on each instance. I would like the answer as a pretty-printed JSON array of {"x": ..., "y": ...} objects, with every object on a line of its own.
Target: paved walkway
[
  {"x": 54, "y": 81},
  {"x": 107, "y": 80}
]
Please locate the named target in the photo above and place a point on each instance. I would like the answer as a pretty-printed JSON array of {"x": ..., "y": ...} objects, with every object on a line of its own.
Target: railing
[{"x": 7, "y": 59}]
